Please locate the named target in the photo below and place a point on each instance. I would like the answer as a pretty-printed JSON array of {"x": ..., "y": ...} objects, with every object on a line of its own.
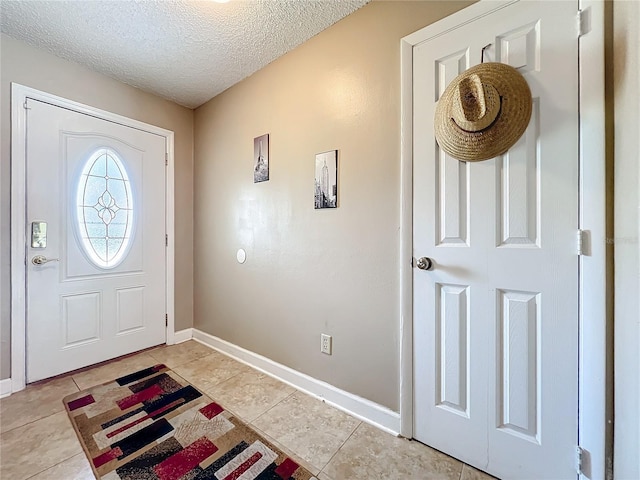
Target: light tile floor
[{"x": 37, "y": 440}]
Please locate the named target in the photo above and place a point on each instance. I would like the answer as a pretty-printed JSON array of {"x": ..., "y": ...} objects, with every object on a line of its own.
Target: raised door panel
[
  {"x": 518, "y": 192},
  {"x": 452, "y": 348},
  {"x": 452, "y": 185},
  {"x": 519, "y": 363}
]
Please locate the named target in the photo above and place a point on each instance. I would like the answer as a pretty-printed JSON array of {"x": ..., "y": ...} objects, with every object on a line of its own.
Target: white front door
[
  {"x": 96, "y": 267},
  {"x": 496, "y": 320}
]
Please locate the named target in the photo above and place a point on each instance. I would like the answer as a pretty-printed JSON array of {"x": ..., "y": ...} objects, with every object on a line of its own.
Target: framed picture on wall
[
  {"x": 261, "y": 158},
  {"x": 326, "y": 187}
]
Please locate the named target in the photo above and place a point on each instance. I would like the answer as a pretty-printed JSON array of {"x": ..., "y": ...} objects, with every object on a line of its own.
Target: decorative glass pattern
[{"x": 104, "y": 208}]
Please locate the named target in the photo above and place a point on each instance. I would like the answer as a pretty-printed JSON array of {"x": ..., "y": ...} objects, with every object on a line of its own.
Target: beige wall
[
  {"x": 626, "y": 68},
  {"x": 34, "y": 68},
  {"x": 310, "y": 271}
]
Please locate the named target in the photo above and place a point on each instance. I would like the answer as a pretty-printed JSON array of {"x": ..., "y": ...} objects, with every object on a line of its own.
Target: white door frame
[
  {"x": 19, "y": 96},
  {"x": 592, "y": 365}
]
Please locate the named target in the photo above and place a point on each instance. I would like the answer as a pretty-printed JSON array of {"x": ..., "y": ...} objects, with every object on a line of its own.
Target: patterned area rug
[{"x": 153, "y": 425}]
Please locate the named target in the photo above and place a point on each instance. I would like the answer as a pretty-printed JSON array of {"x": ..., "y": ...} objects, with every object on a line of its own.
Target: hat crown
[
  {"x": 472, "y": 98},
  {"x": 475, "y": 105},
  {"x": 483, "y": 112}
]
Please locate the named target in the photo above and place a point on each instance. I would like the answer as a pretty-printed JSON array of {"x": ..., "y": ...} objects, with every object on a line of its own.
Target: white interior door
[
  {"x": 96, "y": 281},
  {"x": 496, "y": 320}
]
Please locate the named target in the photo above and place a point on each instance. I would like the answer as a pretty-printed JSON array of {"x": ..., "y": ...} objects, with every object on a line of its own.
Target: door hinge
[
  {"x": 582, "y": 242},
  {"x": 166, "y": 158},
  {"x": 166, "y": 319},
  {"x": 580, "y": 454},
  {"x": 166, "y": 240},
  {"x": 26, "y": 106},
  {"x": 583, "y": 21}
]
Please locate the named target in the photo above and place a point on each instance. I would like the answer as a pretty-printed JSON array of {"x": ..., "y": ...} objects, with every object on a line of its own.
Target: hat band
[{"x": 482, "y": 129}]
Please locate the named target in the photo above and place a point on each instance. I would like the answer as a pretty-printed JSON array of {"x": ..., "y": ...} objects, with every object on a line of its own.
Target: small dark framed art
[{"x": 261, "y": 158}]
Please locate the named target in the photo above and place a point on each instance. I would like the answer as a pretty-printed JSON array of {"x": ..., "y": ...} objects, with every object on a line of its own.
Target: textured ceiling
[{"x": 185, "y": 51}]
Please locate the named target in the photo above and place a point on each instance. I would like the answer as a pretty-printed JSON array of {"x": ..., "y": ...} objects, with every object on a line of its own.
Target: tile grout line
[
  {"x": 55, "y": 465},
  {"x": 271, "y": 408},
  {"x": 322, "y": 401},
  {"x": 32, "y": 421},
  {"x": 76, "y": 384},
  {"x": 221, "y": 382},
  {"x": 340, "y": 448},
  {"x": 230, "y": 410}
]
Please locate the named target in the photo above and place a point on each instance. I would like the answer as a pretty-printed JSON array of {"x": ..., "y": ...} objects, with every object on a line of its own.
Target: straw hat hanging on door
[{"x": 483, "y": 112}]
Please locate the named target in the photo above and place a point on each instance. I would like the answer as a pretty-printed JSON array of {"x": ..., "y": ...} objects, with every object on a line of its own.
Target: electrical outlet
[{"x": 325, "y": 343}]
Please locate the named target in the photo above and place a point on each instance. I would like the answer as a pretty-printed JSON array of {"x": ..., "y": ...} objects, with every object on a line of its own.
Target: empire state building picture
[{"x": 326, "y": 188}]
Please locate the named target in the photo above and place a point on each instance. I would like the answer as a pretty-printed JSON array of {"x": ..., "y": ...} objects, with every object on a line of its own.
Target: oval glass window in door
[{"x": 104, "y": 208}]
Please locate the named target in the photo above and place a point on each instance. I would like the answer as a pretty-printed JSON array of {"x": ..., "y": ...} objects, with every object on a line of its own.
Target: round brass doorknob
[{"x": 425, "y": 263}]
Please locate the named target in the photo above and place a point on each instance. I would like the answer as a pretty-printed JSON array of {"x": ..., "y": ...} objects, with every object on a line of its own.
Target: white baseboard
[
  {"x": 5, "y": 387},
  {"x": 183, "y": 335},
  {"x": 361, "y": 408}
]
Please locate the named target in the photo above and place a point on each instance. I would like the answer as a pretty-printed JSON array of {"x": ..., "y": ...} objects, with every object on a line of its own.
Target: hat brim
[{"x": 503, "y": 133}]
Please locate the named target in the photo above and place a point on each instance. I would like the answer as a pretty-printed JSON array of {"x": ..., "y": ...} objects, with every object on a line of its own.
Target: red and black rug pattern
[{"x": 153, "y": 425}]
